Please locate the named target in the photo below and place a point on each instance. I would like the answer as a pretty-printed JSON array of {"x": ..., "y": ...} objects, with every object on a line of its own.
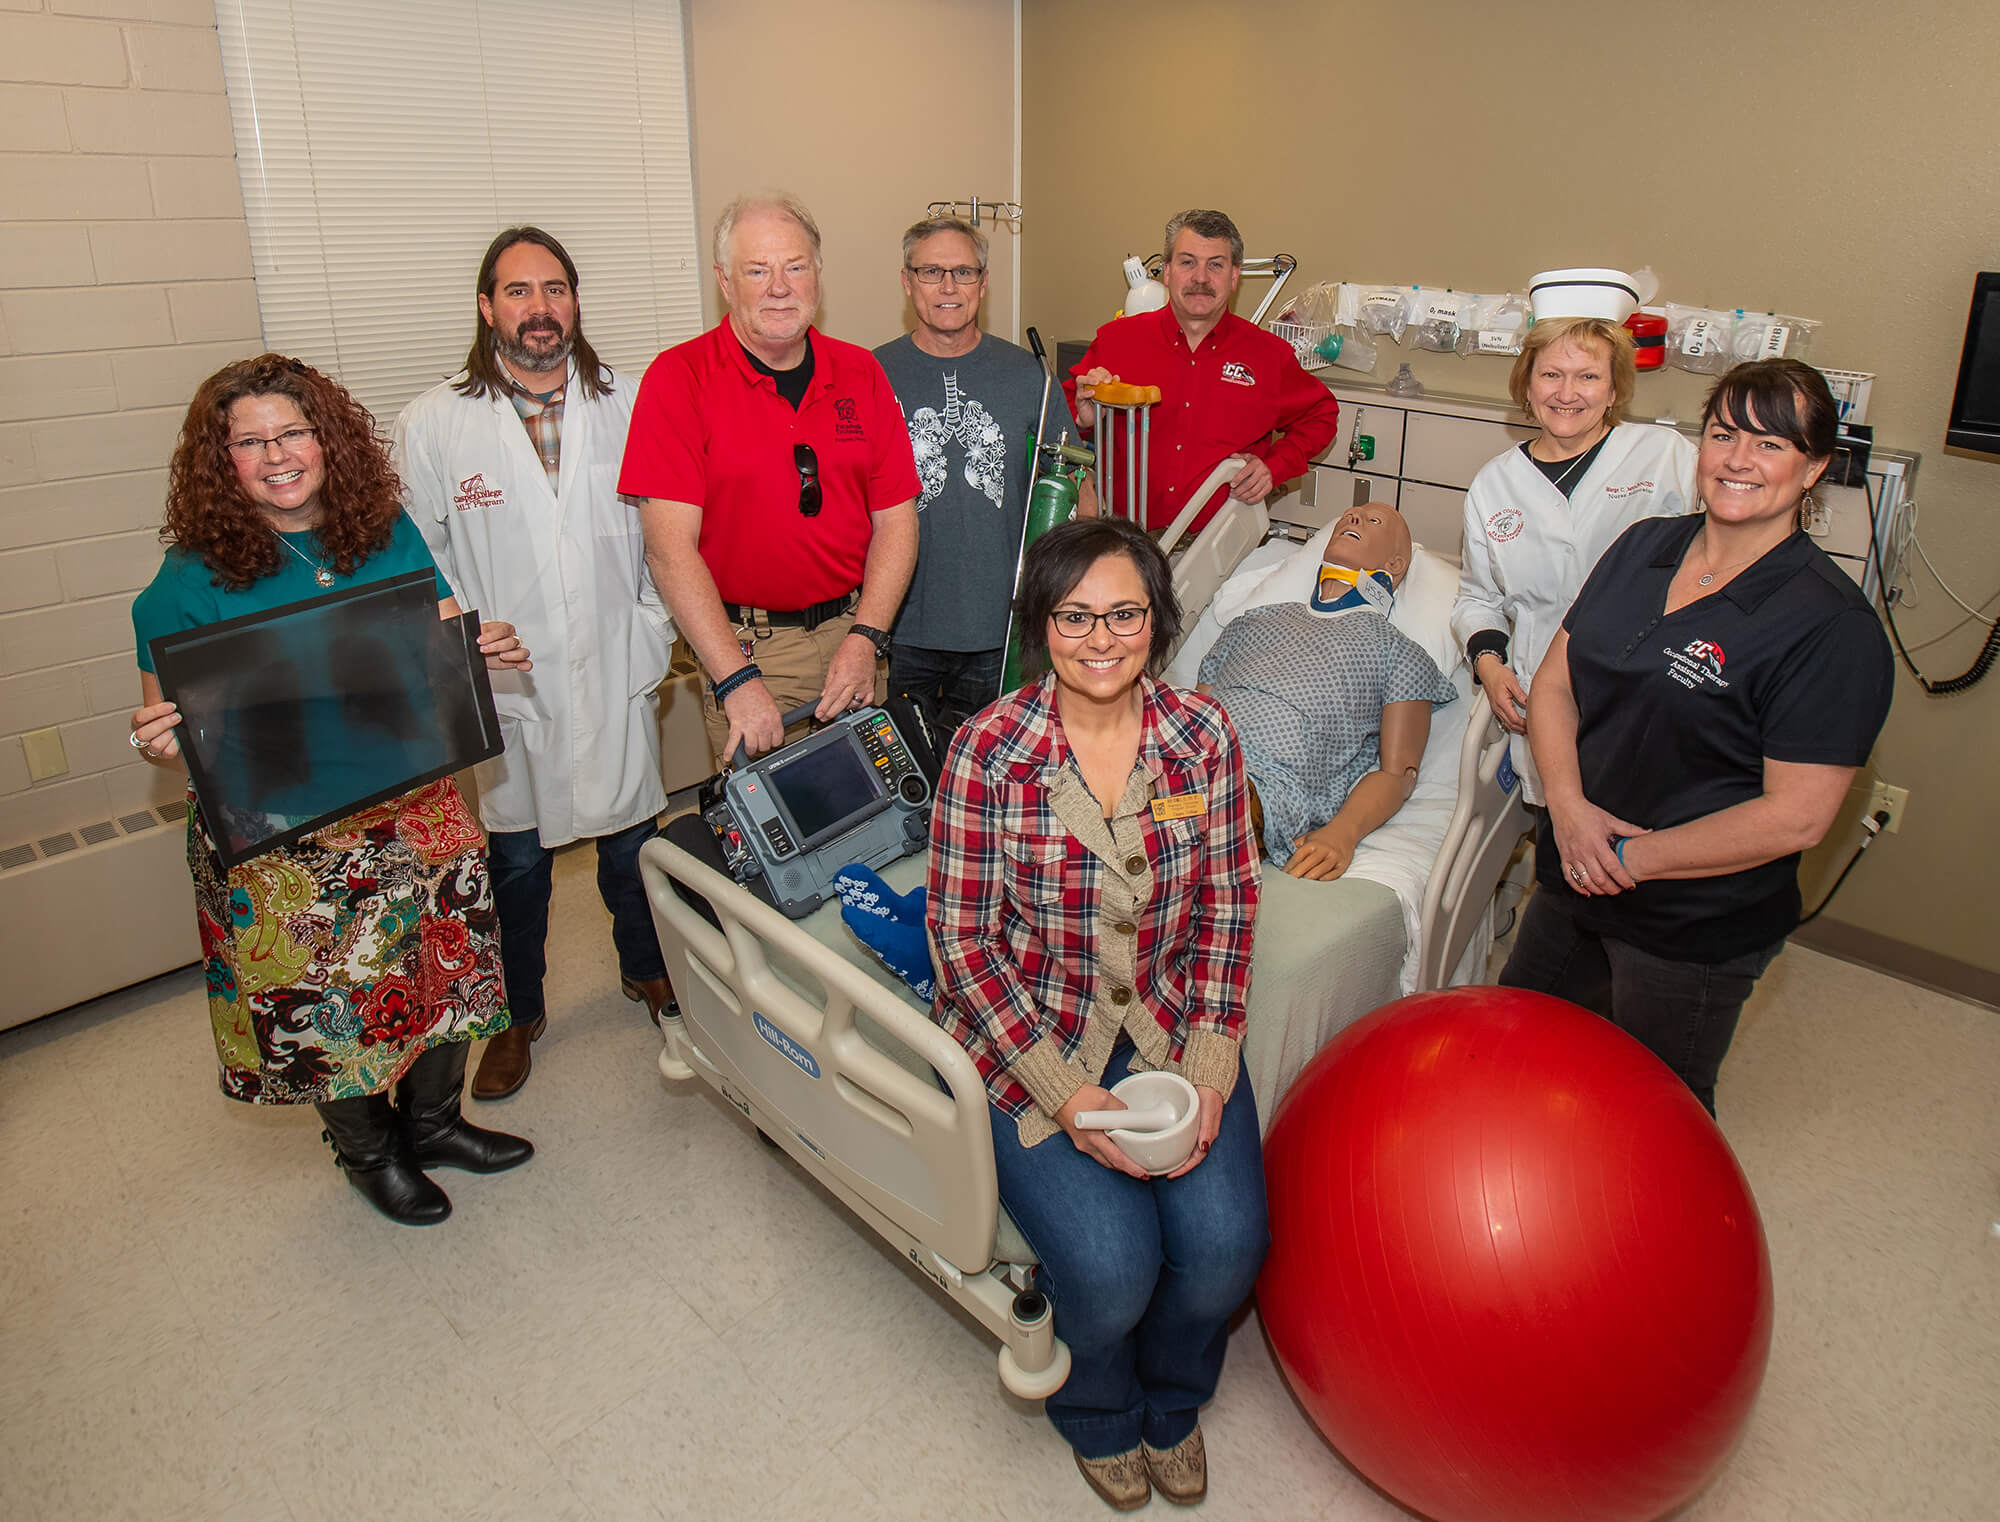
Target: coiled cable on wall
[{"x": 1970, "y": 677}]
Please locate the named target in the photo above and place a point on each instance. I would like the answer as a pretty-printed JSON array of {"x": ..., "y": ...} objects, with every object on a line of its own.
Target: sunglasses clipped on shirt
[{"x": 806, "y": 463}]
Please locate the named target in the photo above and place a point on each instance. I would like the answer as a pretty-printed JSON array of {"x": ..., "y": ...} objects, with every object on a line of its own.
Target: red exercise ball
[{"x": 1516, "y": 1274}]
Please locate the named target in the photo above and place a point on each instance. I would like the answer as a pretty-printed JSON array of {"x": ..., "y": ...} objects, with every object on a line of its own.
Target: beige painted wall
[
  {"x": 1834, "y": 160},
  {"x": 869, "y": 113},
  {"x": 124, "y": 280}
]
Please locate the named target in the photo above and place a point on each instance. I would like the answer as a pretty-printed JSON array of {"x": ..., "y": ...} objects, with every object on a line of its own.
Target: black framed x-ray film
[{"x": 296, "y": 717}]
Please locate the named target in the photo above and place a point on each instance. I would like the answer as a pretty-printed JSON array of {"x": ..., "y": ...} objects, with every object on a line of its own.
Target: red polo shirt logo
[
  {"x": 847, "y": 421},
  {"x": 1238, "y": 374}
]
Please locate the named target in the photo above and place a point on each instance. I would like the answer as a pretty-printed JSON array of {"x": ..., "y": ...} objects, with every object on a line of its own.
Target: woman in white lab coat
[{"x": 1538, "y": 517}]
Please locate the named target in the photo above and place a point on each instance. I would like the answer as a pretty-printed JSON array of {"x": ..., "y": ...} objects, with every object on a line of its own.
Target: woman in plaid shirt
[{"x": 1093, "y": 885}]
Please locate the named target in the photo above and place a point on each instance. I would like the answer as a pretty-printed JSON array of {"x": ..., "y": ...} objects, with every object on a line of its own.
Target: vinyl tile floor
[{"x": 661, "y": 1318}]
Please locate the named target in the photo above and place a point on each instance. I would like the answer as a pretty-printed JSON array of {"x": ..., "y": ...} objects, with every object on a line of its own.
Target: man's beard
[{"x": 536, "y": 360}]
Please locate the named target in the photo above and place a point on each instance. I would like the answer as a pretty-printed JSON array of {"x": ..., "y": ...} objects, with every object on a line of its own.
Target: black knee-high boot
[
  {"x": 370, "y": 1147},
  {"x": 440, "y": 1136}
]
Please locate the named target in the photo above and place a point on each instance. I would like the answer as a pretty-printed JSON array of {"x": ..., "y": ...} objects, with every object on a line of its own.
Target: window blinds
[{"x": 381, "y": 144}]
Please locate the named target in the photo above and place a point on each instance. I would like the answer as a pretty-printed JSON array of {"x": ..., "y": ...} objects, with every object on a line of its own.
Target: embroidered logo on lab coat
[
  {"x": 474, "y": 492},
  {"x": 1238, "y": 374},
  {"x": 1505, "y": 524}
]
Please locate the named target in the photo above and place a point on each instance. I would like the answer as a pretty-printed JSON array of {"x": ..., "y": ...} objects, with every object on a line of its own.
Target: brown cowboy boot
[
  {"x": 655, "y": 993},
  {"x": 1120, "y": 1481},
  {"x": 1179, "y": 1473},
  {"x": 505, "y": 1065}
]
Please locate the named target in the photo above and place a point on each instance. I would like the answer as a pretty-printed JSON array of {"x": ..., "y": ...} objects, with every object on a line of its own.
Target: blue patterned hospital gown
[{"x": 1305, "y": 691}]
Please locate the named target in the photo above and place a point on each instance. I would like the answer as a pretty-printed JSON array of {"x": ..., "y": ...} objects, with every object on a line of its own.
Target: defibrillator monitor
[{"x": 788, "y": 822}]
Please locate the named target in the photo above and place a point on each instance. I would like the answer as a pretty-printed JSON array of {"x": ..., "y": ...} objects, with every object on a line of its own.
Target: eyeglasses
[
  {"x": 290, "y": 441},
  {"x": 1074, "y": 623},
  {"x": 933, "y": 274},
  {"x": 806, "y": 463}
]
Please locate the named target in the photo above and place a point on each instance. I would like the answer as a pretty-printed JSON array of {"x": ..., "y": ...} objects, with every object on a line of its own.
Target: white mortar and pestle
[{"x": 1158, "y": 1126}]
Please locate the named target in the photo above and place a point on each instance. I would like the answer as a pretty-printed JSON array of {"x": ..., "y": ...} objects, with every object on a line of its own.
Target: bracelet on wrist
[
  {"x": 1618, "y": 848},
  {"x": 743, "y": 674}
]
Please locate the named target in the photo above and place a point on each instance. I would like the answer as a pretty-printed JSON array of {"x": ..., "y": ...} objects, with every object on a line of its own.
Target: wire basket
[
  {"x": 1304, "y": 337},
  {"x": 1850, "y": 392}
]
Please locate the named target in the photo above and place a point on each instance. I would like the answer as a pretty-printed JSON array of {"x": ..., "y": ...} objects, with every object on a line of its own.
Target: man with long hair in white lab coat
[{"x": 510, "y": 470}]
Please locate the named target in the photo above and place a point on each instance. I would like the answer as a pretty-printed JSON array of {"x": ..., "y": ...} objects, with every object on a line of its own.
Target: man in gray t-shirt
[{"x": 971, "y": 401}]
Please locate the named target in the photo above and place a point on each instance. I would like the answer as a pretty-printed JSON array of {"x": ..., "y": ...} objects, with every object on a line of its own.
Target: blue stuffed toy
[{"x": 889, "y": 924}]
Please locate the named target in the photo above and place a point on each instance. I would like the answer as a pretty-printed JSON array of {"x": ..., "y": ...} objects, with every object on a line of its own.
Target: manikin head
[{"x": 1370, "y": 537}]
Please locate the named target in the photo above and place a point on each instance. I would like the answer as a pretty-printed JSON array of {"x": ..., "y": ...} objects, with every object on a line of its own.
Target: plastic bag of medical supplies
[
  {"x": 1698, "y": 339},
  {"x": 1436, "y": 316},
  {"x": 1495, "y": 324},
  {"x": 1383, "y": 309},
  {"x": 1771, "y": 335}
]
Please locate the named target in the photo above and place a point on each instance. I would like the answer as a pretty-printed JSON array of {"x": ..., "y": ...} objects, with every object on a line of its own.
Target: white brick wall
[{"x": 124, "y": 280}]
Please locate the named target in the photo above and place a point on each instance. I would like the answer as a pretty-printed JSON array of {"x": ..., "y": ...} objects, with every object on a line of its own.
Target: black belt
[{"x": 746, "y": 616}]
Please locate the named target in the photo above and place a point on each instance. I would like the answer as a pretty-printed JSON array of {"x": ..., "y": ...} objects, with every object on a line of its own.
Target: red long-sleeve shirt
[{"x": 1230, "y": 396}]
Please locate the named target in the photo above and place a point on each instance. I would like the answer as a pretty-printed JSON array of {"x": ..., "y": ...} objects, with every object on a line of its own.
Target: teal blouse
[{"x": 183, "y": 595}]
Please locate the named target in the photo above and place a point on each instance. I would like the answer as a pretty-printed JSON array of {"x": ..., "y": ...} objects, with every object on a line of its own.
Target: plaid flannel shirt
[
  {"x": 543, "y": 420},
  {"x": 1053, "y": 928}
]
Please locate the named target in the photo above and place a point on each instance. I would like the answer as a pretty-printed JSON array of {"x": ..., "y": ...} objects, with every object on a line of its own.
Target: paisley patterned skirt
[{"x": 334, "y": 963}]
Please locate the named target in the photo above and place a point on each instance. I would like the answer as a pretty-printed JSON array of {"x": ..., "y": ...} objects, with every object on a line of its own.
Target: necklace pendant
[{"x": 323, "y": 576}]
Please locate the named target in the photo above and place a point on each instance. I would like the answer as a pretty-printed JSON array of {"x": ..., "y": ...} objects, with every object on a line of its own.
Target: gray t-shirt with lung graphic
[{"x": 969, "y": 421}]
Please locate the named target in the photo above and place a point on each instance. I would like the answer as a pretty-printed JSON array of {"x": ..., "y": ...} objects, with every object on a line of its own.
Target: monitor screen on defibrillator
[
  {"x": 788, "y": 822},
  {"x": 827, "y": 788}
]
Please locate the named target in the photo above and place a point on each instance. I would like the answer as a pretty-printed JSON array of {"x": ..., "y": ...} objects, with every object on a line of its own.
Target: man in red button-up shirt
[{"x": 1227, "y": 386}]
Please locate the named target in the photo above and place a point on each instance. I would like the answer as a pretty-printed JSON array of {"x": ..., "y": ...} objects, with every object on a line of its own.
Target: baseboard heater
[{"x": 94, "y": 909}]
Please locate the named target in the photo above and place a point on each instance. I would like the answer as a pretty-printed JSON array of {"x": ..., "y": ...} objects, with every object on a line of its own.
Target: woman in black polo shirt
[{"x": 1696, "y": 724}]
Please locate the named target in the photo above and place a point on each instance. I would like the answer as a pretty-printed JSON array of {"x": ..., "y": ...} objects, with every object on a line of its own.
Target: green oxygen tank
[{"x": 1052, "y": 501}]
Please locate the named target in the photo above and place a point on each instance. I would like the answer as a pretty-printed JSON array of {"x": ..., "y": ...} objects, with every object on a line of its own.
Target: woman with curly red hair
[{"x": 361, "y": 960}]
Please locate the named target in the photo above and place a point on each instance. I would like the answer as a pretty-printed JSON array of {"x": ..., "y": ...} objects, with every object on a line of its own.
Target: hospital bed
[{"x": 837, "y": 1062}]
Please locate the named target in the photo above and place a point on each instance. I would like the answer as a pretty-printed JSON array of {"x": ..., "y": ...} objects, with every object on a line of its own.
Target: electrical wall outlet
[
  {"x": 1882, "y": 798},
  {"x": 44, "y": 750}
]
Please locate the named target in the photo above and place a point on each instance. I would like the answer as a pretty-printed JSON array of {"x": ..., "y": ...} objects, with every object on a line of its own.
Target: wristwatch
[{"x": 873, "y": 635}]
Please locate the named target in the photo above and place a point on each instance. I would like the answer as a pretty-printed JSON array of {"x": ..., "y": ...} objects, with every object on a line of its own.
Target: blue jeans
[
  {"x": 1143, "y": 1275},
  {"x": 948, "y": 686},
  {"x": 1684, "y": 1013},
  {"x": 523, "y": 872}
]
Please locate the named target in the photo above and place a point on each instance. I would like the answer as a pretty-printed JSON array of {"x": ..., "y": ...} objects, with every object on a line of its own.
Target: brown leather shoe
[
  {"x": 505, "y": 1064},
  {"x": 1181, "y": 1472},
  {"x": 1120, "y": 1481},
  {"x": 657, "y": 994}
]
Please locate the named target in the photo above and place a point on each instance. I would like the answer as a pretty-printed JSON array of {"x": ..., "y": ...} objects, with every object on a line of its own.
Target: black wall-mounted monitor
[{"x": 1975, "y": 406}]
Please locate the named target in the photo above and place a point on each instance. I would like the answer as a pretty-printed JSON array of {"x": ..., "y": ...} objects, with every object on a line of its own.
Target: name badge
[{"x": 1181, "y": 806}]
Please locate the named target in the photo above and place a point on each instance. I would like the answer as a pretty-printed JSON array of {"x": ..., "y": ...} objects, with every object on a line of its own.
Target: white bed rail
[
  {"x": 1486, "y": 826},
  {"x": 913, "y": 1160}
]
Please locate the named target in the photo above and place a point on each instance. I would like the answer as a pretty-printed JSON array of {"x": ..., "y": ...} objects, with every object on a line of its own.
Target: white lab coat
[
  {"x": 1527, "y": 550},
  {"x": 568, "y": 570}
]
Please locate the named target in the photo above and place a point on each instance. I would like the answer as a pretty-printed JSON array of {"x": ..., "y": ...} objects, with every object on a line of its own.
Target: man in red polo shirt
[
  {"x": 780, "y": 491},
  {"x": 1227, "y": 387}
]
